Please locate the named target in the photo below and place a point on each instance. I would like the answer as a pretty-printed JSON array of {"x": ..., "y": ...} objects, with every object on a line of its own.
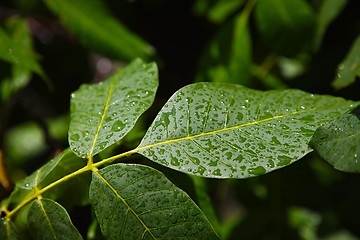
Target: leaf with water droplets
[
  {"x": 103, "y": 114},
  {"x": 338, "y": 142},
  {"x": 8, "y": 230},
  {"x": 49, "y": 220},
  {"x": 349, "y": 69},
  {"x": 138, "y": 202},
  {"x": 229, "y": 131},
  {"x": 62, "y": 165}
]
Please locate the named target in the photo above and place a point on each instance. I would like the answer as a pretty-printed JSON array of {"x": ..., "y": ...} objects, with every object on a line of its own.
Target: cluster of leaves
[{"x": 214, "y": 128}]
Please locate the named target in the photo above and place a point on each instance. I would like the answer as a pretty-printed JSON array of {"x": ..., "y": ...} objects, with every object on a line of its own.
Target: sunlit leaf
[
  {"x": 8, "y": 230},
  {"x": 49, "y": 220},
  {"x": 287, "y": 26},
  {"x": 338, "y": 142},
  {"x": 328, "y": 11},
  {"x": 103, "y": 114},
  {"x": 92, "y": 23},
  {"x": 138, "y": 202},
  {"x": 229, "y": 131},
  {"x": 349, "y": 69}
]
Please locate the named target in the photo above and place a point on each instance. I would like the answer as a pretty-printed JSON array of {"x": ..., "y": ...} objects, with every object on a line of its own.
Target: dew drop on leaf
[{"x": 117, "y": 126}]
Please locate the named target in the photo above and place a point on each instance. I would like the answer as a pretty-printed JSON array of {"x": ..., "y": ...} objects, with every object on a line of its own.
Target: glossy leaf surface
[
  {"x": 96, "y": 28},
  {"x": 229, "y": 131},
  {"x": 104, "y": 113},
  {"x": 49, "y": 220},
  {"x": 349, "y": 69},
  {"x": 8, "y": 231},
  {"x": 138, "y": 202},
  {"x": 338, "y": 142},
  {"x": 287, "y": 26}
]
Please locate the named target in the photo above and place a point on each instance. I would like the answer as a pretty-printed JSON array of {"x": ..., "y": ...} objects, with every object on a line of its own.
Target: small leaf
[
  {"x": 138, "y": 202},
  {"x": 228, "y": 57},
  {"x": 329, "y": 10},
  {"x": 49, "y": 220},
  {"x": 228, "y": 131},
  {"x": 103, "y": 114},
  {"x": 287, "y": 26},
  {"x": 217, "y": 11},
  {"x": 16, "y": 48},
  {"x": 338, "y": 142},
  {"x": 349, "y": 69},
  {"x": 8, "y": 230},
  {"x": 65, "y": 163},
  {"x": 90, "y": 21}
]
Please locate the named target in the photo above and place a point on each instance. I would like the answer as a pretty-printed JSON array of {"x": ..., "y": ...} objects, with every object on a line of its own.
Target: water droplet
[
  {"x": 27, "y": 185},
  {"x": 117, "y": 126},
  {"x": 75, "y": 137},
  {"x": 257, "y": 170}
]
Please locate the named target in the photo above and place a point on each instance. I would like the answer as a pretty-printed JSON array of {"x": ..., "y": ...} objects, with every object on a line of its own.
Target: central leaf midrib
[
  {"x": 102, "y": 119},
  {"x": 47, "y": 218},
  {"x": 190, "y": 137},
  {"x": 126, "y": 204}
]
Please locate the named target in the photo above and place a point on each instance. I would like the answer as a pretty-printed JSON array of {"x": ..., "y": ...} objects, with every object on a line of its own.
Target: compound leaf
[
  {"x": 103, "y": 114},
  {"x": 90, "y": 21},
  {"x": 138, "y": 202},
  {"x": 49, "y": 220},
  {"x": 8, "y": 230},
  {"x": 338, "y": 142},
  {"x": 228, "y": 131}
]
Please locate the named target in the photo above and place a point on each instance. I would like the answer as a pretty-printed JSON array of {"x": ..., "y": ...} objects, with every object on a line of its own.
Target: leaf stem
[{"x": 89, "y": 167}]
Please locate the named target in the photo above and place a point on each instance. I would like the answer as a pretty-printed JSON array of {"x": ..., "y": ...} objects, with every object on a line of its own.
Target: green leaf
[
  {"x": 287, "y": 26},
  {"x": 229, "y": 131},
  {"x": 349, "y": 69},
  {"x": 228, "y": 57},
  {"x": 96, "y": 28},
  {"x": 16, "y": 48},
  {"x": 338, "y": 142},
  {"x": 103, "y": 114},
  {"x": 328, "y": 11},
  {"x": 62, "y": 165},
  {"x": 49, "y": 220},
  {"x": 138, "y": 202},
  {"x": 8, "y": 230},
  {"x": 217, "y": 11}
]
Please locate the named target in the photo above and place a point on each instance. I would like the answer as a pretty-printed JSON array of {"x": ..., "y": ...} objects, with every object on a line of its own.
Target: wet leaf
[
  {"x": 65, "y": 163},
  {"x": 287, "y": 26},
  {"x": 49, "y": 220},
  {"x": 228, "y": 131},
  {"x": 96, "y": 28},
  {"x": 8, "y": 230},
  {"x": 138, "y": 202},
  {"x": 349, "y": 69},
  {"x": 328, "y": 11},
  {"x": 103, "y": 114},
  {"x": 338, "y": 142}
]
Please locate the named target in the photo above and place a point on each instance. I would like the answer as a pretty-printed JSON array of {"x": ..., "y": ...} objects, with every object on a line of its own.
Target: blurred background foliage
[{"x": 48, "y": 48}]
